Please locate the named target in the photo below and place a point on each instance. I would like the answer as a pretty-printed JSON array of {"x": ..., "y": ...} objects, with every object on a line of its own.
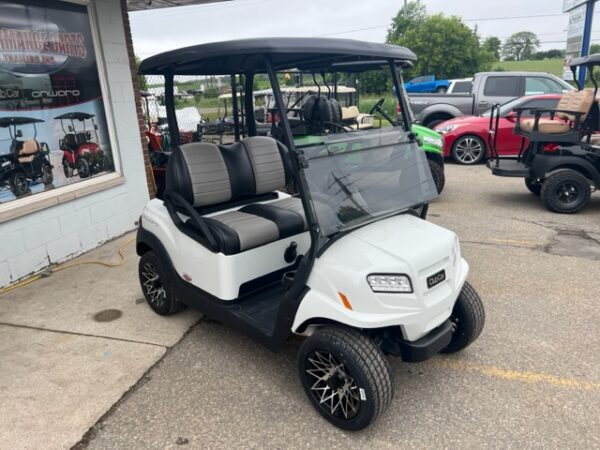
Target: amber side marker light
[{"x": 345, "y": 301}]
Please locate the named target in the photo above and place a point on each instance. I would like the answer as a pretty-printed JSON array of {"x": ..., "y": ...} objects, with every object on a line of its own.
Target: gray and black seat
[{"x": 205, "y": 181}]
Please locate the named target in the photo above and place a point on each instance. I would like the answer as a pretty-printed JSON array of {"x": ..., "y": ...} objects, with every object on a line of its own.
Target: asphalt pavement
[{"x": 532, "y": 380}]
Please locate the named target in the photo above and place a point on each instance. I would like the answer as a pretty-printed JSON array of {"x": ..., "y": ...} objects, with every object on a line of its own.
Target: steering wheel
[{"x": 377, "y": 106}]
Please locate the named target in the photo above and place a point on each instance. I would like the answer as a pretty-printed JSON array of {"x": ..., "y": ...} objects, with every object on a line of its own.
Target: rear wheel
[
  {"x": 345, "y": 377},
  {"x": 468, "y": 150},
  {"x": 437, "y": 172},
  {"x": 534, "y": 188},
  {"x": 83, "y": 168},
  {"x": 441, "y": 90},
  {"x": 18, "y": 184},
  {"x": 468, "y": 318},
  {"x": 156, "y": 286},
  {"x": 566, "y": 192}
]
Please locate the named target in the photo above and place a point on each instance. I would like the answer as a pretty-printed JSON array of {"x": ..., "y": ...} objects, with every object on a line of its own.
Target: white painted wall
[{"x": 32, "y": 242}]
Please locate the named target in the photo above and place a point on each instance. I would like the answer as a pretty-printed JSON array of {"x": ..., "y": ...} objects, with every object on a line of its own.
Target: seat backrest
[
  {"x": 580, "y": 101},
  {"x": 350, "y": 113},
  {"x": 81, "y": 138},
  {"x": 206, "y": 174},
  {"x": 30, "y": 147}
]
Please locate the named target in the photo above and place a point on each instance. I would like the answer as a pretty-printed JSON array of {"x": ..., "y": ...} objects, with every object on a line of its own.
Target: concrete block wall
[{"x": 32, "y": 242}]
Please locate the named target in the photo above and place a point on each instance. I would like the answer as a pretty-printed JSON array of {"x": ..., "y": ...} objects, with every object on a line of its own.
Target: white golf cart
[{"x": 326, "y": 238}]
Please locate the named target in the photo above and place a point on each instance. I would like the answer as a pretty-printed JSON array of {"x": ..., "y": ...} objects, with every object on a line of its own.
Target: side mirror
[
  {"x": 95, "y": 127},
  {"x": 19, "y": 133},
  {"x": 70, "y": 128}
]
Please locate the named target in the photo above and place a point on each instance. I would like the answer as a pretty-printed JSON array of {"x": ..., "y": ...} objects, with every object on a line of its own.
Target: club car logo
[
  {"x": 8, "y": 93},
  {"x": 30, "y": 44},
  {"x": 436, "y": 278}
]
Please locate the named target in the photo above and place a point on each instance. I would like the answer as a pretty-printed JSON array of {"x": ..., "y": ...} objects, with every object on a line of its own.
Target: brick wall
[{"x": 32, "y": 242}]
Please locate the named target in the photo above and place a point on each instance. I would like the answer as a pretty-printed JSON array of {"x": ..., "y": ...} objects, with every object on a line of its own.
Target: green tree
[
  {"x": 445, "y": 47},
  {"x": 549, "y": 54},
  {"x": 594, "y": 48},
  {"x": 520, "y": 46},
  {"x": 414, "y": 14},
  {"x": 493, "y": 45},
  {"x": 142, "y": 82}
]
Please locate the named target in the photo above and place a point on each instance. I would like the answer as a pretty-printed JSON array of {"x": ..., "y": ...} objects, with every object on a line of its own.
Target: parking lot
[{"x": 531, "y": 380}]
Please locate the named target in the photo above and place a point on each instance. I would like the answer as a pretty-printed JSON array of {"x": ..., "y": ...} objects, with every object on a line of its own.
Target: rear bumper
[{"x": 422, "y": 349}]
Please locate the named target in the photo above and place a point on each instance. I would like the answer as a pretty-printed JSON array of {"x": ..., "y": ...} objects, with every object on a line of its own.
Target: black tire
[
  {"x": 361, "y": 371},
  {"x": 107, "y": 164},
  {"x": 437, "y": 172},
  {"x": 337, "y": 111},
  {"x": 156, "y": 286},
  {"x": 468, "y": 318},
  {"x": 47, "y": 176},
  {"x": 534, "y": 188},
  {"x": 67, "y": 170},
  {"x": 566, "y": 192},
  {"x": 434, "y": 123},
  {"x": 441, "y": 90},
  {"x": 83, "y": 167},
  {"x": 19, "y": 184},
  {"x": 468, "y": 150}
]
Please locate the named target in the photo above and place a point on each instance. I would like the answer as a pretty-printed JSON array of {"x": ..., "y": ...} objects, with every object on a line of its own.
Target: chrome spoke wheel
[
  {"x": 333, "y": 387},
  {"x": 153, "y": 286},
  {"x": 468, "y": 150}
]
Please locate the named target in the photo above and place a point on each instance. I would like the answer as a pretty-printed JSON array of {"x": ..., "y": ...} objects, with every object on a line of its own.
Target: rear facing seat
[{"x": 207, "y": 175}]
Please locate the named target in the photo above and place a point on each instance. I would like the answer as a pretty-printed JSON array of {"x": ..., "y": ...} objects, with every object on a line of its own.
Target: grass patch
[{"x": 554, "y": 66}]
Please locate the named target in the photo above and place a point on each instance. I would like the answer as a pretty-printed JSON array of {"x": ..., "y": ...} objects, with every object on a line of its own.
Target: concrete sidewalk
[{"x": 72, "y": 344}]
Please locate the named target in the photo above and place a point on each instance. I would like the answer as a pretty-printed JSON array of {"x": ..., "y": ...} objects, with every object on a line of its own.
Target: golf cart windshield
[{"x": 365, "y": 176}]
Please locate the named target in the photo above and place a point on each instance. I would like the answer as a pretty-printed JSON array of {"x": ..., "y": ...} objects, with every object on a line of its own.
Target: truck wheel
[
  {"x": 47, "y": 176},
  {"x": 534, "y": 188},
  {"x": 468, "y": 150},
  {"x": 156, "y": 286},
  {"x": 18, "y": 184},
  {"x": 468, "y": 318},
  {"x": 566, "y": 192},
  {"x": 441, "y": 90},
  {"x": 83, "y": 168},
  {"x": 345, "y": 376},
  {"x": 437, "y": 172}
]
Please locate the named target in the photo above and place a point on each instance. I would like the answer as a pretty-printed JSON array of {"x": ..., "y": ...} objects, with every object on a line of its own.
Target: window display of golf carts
[{"x": 326, "y": 237}]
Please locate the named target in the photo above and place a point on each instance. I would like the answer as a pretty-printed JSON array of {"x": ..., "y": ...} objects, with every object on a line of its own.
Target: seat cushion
[
  {"x": 238, "y": 231},
  {"x": 287, "y": 214},
  {"x": 26, "y": 159},
  {"x": 546, "y": 126}
]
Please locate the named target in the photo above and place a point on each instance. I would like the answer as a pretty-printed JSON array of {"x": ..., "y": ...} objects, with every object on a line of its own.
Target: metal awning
[{"x": 143, "y": 5}]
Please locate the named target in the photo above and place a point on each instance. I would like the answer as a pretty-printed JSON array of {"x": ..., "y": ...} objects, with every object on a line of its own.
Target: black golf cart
[
  {"x": 27, "y": 160},
  {"x": 561, "y": 162},
  {"x": 321, "y": 234}
]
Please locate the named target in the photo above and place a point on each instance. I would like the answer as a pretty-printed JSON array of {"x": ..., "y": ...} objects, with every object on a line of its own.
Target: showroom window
[{"x": 54, "y": 131}]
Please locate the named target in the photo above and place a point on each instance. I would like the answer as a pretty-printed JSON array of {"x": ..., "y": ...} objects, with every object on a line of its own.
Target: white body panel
[
  {"x": 399, "y": 245},
  {"x": 218, "y": 274}
]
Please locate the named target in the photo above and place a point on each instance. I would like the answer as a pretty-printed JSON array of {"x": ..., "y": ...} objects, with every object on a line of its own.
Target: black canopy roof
[
  {"x": 8, "y": 121},
  {"x": 75, "y": 116},
  {"x": 239, "y": 56},
  {"x": 592, "y": 60}
]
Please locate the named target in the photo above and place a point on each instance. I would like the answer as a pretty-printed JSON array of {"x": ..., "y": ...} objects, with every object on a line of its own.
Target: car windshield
[
  {"x": 362, "y": 177},
  {"x": 505, "y": 107}
]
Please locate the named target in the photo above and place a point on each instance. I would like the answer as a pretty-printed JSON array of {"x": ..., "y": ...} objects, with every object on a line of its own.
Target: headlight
[
  {"x": 438, "y": 142},
  {"x": 446, "y": 129},
  {"x": 389, "y": 283}
]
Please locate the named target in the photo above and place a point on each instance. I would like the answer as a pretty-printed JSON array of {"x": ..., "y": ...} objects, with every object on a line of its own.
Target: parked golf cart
[
  {"x": 80, "y": 147},
  {"x": 27, "y": 160},
  {"x": 346, "y": 259},
  {"x": 561, "y": 163}
]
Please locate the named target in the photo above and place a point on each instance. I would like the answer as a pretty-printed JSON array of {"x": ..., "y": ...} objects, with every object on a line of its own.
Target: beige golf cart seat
[
  {"x": 356, "y": 119},
  {"x": 579, "y": 101},
  {"x": 247, "y": 173},
  {"x": 28, "y": 151}
]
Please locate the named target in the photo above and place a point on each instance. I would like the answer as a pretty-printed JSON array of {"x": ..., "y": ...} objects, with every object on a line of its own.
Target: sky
[{"x": 159, "y": 30}]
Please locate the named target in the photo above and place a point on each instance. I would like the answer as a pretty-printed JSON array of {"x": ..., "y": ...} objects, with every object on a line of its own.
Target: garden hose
[{"x": 58, "y": 268}]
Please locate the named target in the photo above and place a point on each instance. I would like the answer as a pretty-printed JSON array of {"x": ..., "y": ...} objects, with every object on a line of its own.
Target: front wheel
[
  {"x": 47, "y": 176},
  {"x": 83, "y": 168},
  {"x": 437, "y": 172},
  {"x": 566, "y": 192},
  {"x": 468, "y": 318},
  {"x": 468, "y": 150},
  {"x": 345, "y": 377}
]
